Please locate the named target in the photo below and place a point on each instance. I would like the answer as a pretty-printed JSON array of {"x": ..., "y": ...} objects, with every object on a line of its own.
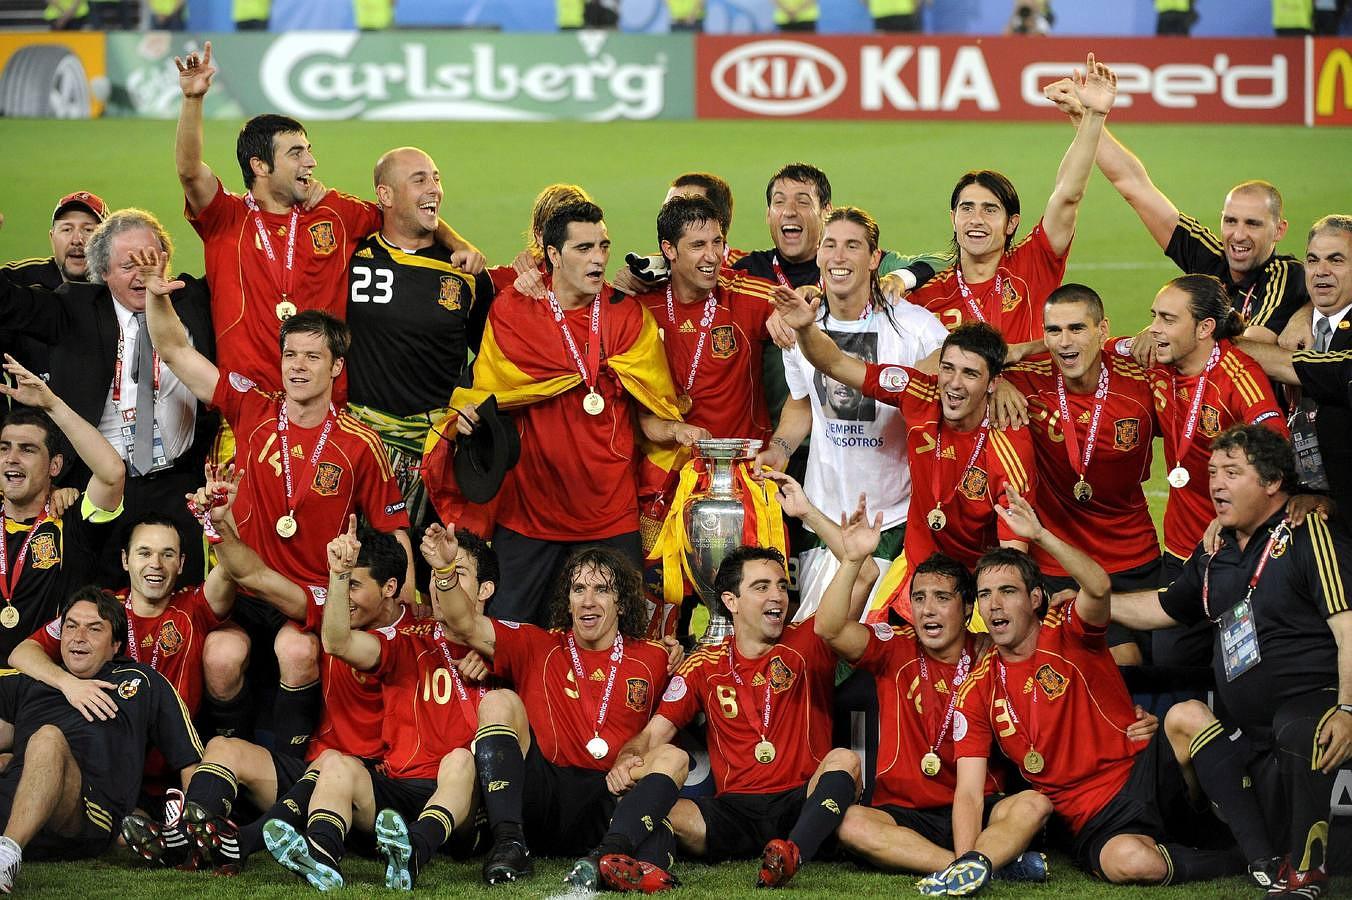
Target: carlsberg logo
[{"x": 344, "y": 75}]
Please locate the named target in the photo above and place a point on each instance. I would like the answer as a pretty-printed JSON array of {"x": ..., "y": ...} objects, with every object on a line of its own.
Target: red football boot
[{"x": 779, "y": 862}]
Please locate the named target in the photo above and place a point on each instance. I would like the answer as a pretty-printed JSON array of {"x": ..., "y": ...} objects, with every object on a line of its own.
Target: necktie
[
  {"x": 1323, "y": 334},
  {"x": 142, "y": 372}
]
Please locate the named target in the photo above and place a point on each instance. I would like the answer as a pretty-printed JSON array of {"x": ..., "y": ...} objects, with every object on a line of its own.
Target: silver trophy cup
[{"x": 713, "y": 523}]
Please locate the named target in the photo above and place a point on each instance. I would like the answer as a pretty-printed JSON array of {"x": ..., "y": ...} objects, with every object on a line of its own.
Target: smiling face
[
  {"x": 964, "y": 384},
  {"x": 366, "y": 597},
  {"x": 1249, "y": 230},
  {"x": 696, "y": 258},
  {"x": 938, "y": 612},
  {"x": 760, "y": 608},
  {"x": 580, "y": 264},
  {"x": 847, "y": 263},
  {"x": 87, "y": 641},
  {"x": 1008, "y": 608},
  {"x": 292, "y": 165},
  {"x": 153, "y": 560},
  {"x": 1328, "y": 270},
  {"x": 25, "y": 466},
  {"x": 123, "y": 277},
  {"x": 1173, "y": 329},
  {"x": 795, "y": 219},
  {"x": 1241, "y": 499},
  {"x": 308, "y": 366},
  {"x": 411, "y": 193},
  {"x": 594, "y": 605},
  {"x": 69, "y": 235},
  {"x": 980, "y": 222},
  {"x": 1074, "y": 338}
]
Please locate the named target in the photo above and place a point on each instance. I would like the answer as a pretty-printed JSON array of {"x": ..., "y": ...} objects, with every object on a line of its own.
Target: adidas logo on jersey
[
  {"x": 365, "y": 253},
  {"x": 758, "y": 680},
  {"x": 598, "y": 675},
  {"x": 1028, "y": 686},
  {"x": 687, "y": 327}
]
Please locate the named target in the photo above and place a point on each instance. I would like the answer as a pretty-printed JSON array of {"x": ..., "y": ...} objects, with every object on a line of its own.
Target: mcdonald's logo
[{"x": 1334, "y": 72}]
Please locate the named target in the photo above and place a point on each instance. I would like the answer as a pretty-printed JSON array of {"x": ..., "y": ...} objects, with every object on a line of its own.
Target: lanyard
[
  {"x": 583, "y": 688},
  {"x": 1248, "y": 298},
  {"x": 938, "y": 458},
  {"x": 765, "y": 708},
  {"x": 287, "y": 266},
  {"x": 469, "y": 712},
  {"x": 967, "y": 292},
  {"x": 117, "y": 367},
  {"x": 1282, "y": 532},
  {"x": 133, "y": 650},
  {"x": 1190, "y": 425},
  {"x": 958, "y": 678},
  {"x": 1068, "y": 424},
  {"x": 1009, "y": 705},
  {"x": 293, "y": 501},
  {"x": 705, "y": 321},
  {"x": 783, "y": 279},
  {"x": 7, "y": 583},
  {"x": 593, "y": 344}
]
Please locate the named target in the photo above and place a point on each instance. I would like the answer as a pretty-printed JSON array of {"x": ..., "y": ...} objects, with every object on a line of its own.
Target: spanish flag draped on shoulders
[{"x": 576, "y": 478}]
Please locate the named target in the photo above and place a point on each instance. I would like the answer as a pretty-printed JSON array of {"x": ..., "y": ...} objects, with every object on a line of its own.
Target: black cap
[{"x": 483, "y": 457}]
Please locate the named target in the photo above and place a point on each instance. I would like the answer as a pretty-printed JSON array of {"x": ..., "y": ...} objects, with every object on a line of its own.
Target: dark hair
[
  {"x": 716, "y": 189},
  {"x": 314, "y": 321},
  {"x": 1333, "y": 223},
  {"x": 625, "y": 578},
  {"x": 807, "y": 174},
  {"x": 555, "y": 232},
  {"x": 28, "y": 415},
  {"x": 729, "y": 576},
  {"x": 382, "y": 553},
  {"x": 149, "y": 519},
  {"x": 997, "y": 184},
  {"x": 1208, "y": 299},
  {"x": 1078, "y": 293},
  {"x": 982, "y": 339},
  {"x": 1008, "y": 557},
  {"x": 255, "y": 140},
  {"x": 682, "y": 212},
  {"x": 485, "y": 557},
  {"x": 1267, "y": 189},
  {"x": 111, "y": 610},
  {"x": 1268, "y": 452},
  {"x": 947, "y": 567}
]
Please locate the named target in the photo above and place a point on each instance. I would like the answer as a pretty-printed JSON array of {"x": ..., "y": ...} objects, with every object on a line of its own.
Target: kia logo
[{"x": 778, "y": 78}]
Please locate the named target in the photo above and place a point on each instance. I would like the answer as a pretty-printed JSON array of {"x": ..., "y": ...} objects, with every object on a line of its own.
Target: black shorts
[
  {"x": 406, "y": 796},
  {"x": 289, "y": 770},
  {"x": 1154, "y": 802},
  {"x": 738, "y": 826},
  {"x": 565, "y": 810},
  {"x": 935, "y": 823},
  {"x": 99, "y": 822}
]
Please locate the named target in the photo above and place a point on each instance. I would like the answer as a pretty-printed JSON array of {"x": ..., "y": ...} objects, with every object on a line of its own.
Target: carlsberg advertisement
[{"x": 588, "y": 76}]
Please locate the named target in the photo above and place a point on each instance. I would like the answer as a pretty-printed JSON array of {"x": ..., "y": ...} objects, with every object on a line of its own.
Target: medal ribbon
[
  {"x": 584, "y": 689},
  {"x": 133, "y": 649},
  {"x": 1009, "y": 705},
  {"x": 293, "y": 501},
  {"x": 9, "y": 584},
  {"x": 765, "y": 709},
  {"x": 1282, "y": 531},
  {"x": 958, "y": 678},
  {"x": 117, "y": 367},
  {"x": 938, "y": 458},
  {"x": 704, "y": 323},
  {"x": 1068, "y": 425},
  {"x": 1190, "y": 426},
  {"x": 593, "y": 344},
  {"x": 284, "y": 280},
  {"x": 999, "y": 288},
  {"x": 470, "y": 714}
]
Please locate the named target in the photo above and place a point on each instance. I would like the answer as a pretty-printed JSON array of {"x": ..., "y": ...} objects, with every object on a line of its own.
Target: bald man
[{"x": 414, "y": 317}]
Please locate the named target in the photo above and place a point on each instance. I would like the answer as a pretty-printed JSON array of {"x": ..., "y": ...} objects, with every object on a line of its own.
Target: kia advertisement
[{"x": 894, "y": 77}]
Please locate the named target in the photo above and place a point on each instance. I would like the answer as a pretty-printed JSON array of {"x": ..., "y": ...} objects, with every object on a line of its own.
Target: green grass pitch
[{"x": 902, "y": 173}]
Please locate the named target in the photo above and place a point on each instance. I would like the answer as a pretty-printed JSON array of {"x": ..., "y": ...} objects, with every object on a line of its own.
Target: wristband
[
  {"x": 444, "y": 572},
  {"x": 1345, "y": 707}
]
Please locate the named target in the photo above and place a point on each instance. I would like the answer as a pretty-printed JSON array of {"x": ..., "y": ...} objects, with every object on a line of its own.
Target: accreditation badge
[{"x": 1239, "y": 640}]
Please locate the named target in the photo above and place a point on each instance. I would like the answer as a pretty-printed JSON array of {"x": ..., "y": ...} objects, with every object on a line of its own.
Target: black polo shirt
[
  {"x": 1325, "y": 377},
  {"x": 40, "y": 272},
  {"x": 1303, "y": 584},
  {"x": 1268, "y": 295}
]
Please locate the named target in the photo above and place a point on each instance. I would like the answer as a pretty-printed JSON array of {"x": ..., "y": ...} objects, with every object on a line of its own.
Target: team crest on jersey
[
  {"x": 1010, "y": 301},
  {"x": 43, "y": 551},
  {"x": 1126, "y": 434},
  {"x": 321, "y": 237},
  {"x": 973, "y": 484},
  {"x": 636, "y": 694},
  {"x": 171, "y": 639},
  {"x": 1210, "y": 421},
  {"x": 781, "y": 676},
  {"x": 127, "y": 689},
  {"x": 1052, "y": 682},
  {"x": 1282, "y": 542},
  {"x": 448, "y": 295},
  {"x": 723, "y": 342},
  {"x": 327, "y": 477}
]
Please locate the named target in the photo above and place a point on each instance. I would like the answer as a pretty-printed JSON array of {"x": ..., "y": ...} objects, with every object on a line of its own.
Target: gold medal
[
  {"x": 765, "y": 752},
  {"x": 1033, "y": 762},
  {"x": 1179, "y": 477},
  {"x": 1083, "y": 492},
  {"x": 936, "y": 519},
  {"x": 9, "y": 616},
  {"x": 285, "y": 310},
  {"x": 598, "y": 747},
  {"x": 593, "y": 403},
  {"x": 286, "y": 526},
  {"x": 930, "y": 764},
  {"x": 684, "y": 403}
]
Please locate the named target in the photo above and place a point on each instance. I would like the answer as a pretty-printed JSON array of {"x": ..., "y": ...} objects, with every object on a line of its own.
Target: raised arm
[
  {"x": 837, "y": 618},
  {"x": 211, "y": 504},
  {"x": 464, "y": 255},
  {"x": 108, "y": 473},
  {"x": 194, "y": 80},
  {"x": 456, "y": 609},
  {"x": 246, "y": 569},
  {"x": 166, "y": 329},
  {"x": 1092, "y": 601},
  {"x": 820, "y": 350},
  {"x": 1095, "y": 90},
  {"x": 356, "y": 648}
]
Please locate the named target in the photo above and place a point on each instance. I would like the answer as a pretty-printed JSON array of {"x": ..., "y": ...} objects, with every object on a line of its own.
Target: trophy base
[{"x": 719, "y": 627}]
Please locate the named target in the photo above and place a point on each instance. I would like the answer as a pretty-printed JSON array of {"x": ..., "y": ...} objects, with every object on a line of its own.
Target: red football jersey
[
  {"x": 246, "y": 287},
  {"x": 1237, "y": 392},
  {"x": 1120, "y": 463},
  {"x": 171, "y": 642},
  {"x": 969, "y": 495},
  {"x": 1067, "y": 701},
  {"x": 728, "y": 393},
  {"x": 913, "y": 703},
  {"x": 1027, "y": 274},
  {"x": 563, "y": 714},
  {"x": 354, "y": 707},
  {"x": 425, "y": 715},
  {"x": 799, "y": 674},
  {"x": 352, "y": 475}
]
